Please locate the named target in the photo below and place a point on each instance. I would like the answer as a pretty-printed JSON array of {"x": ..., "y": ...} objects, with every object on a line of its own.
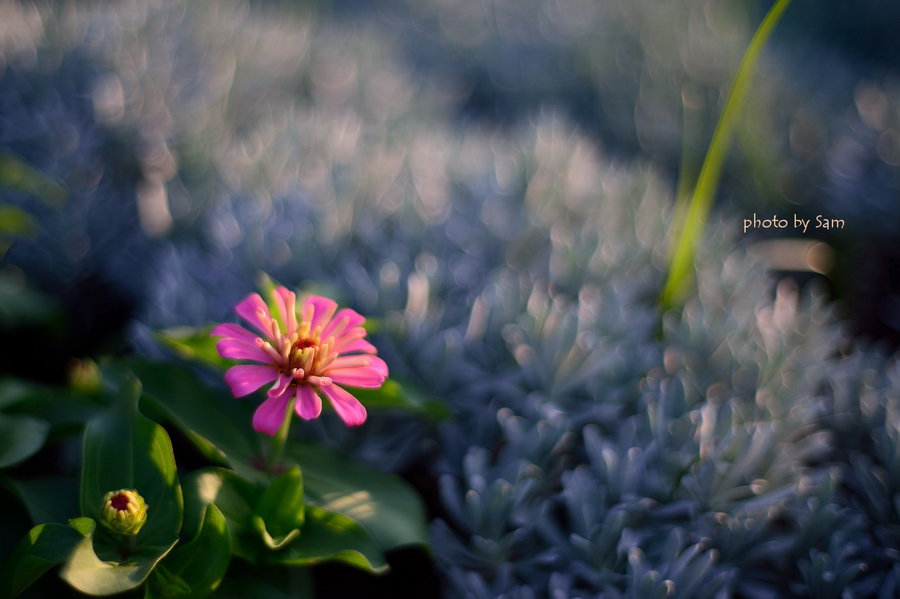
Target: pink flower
[{"x": 307, "y": 353}]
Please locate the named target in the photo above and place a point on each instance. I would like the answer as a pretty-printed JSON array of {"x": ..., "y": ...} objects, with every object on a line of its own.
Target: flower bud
[
  {"x": 84, "y": 376},
  {"x": 124, "y": 511}
]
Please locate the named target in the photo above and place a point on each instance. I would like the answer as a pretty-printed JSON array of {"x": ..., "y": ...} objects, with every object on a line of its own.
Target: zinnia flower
[{"x": 308, "y": 353}]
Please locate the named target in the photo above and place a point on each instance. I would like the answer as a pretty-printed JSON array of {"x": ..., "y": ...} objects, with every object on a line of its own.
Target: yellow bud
[
  {"x": 84, "y": 376},
  {"x": 123, "y": 511}
]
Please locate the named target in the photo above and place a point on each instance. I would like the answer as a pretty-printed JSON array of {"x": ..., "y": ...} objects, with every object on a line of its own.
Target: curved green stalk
[{"x": 690, "y": 218}]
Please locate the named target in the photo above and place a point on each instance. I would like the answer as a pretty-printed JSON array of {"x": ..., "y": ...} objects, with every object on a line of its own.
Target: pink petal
[
  {"x": 255, "y": 311},
  {"x": 360, "y": 345},
  {"x": 281, "y": 385},
  {"x": 240, "y": 350},
  {"x": 322, "y": 310},
  {"x": 246, "y": 379},
  {"x": 309, "y": 404},
  {"x": 380, "y": 365},
  {"x": 269, "y": 416},
  {"x": 235, "y": 331},
  {"x": 345, "y": 320},
  {"x": 347, "y": 407},
  {"x": 358, "y": 362},
  {"x": 347, "y": 337},
  {"x": 357, "y": 377},
  {"x": 287, "y": 307}
]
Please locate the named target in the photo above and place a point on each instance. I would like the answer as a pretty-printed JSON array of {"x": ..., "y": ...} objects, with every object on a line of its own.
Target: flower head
[
  {"x": 123, "y": 511},
  {"x": 311, "y": 349}
]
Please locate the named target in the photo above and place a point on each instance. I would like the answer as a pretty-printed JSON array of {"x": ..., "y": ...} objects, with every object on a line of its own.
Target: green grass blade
[{"x": 690, "y": 218}]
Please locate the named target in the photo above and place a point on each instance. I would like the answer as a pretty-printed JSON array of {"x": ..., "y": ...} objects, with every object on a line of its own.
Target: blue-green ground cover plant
[{"x": 567, "y": 438}]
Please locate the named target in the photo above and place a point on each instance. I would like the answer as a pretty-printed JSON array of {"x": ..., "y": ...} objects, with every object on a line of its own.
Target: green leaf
[
  {"x": 383, "y": 504},
  {"x": 86, "y": 572},
  {"x": 83, "y": 525},
  {"x": 235, "y": 497},
  {"x": 45, "y": 546},
  {"x": 48, "y": 499},
  {"x": 393, "y": 394},
  {"x": 124, "y": 450},
  {"x": 20, "y": 438},
  {"x": 279, "y": 511},
  {"x": 198, "y": 565},
  {"x": 193, "y": 343},
  {"x": 59, "y": 407},
  {"x": 165, "y": 584},
  {"x": 330, "y": 535},
  {"x": 205, "y": 414},
  {"x": 277, "y": 541}
]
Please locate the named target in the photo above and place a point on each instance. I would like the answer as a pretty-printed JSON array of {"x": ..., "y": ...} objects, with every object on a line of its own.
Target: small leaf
[
  {"x": 235, "y": 498},
  {"x": 280, "y": 508},
  {"x": 84, "y": 526},
  {"x": 331, "y": 536},
  {"x": 45, "y": 546},
  {"x": 393, "y": 394},
  {"x": 277, "y": 541},
  {"x": 193, "y": 343},
  {"x": 20, "y": 438}
]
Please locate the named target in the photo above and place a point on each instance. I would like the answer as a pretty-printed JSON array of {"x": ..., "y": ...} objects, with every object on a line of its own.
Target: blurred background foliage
[{"x": 494, "y": 181}]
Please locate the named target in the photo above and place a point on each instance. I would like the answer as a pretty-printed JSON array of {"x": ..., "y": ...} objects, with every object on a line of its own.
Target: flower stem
[
  {"x": 279, "y": 441},
  {"x": 128, "y": 546}
]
